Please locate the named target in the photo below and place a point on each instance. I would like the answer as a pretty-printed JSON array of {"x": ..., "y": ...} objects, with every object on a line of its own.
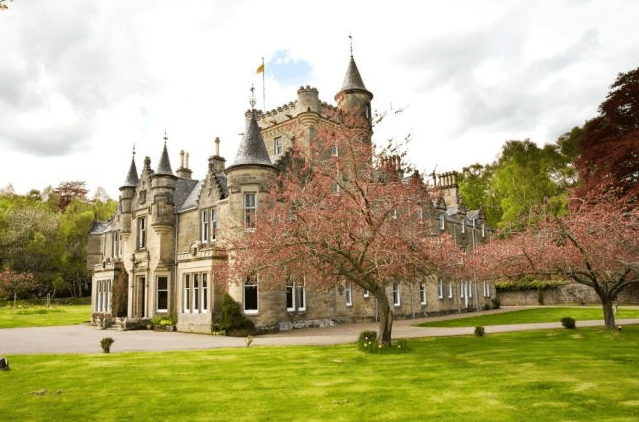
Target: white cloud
[{"x": 80, "y": 83}]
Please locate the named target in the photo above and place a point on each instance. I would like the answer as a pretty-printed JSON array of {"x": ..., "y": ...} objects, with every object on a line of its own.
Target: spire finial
[
  {"x": 165, "y": 137},
  {"x": 134, "y": 150},
  {"x": 351, "y": 40},
  {"x": 252, "y": 102}
]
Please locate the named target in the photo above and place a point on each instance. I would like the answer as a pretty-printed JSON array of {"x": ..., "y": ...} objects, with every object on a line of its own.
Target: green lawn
[
  {"x": 554, "y": 375},
  {"x": 27, "y": 315},
  {"x": 545, "y": 314}
]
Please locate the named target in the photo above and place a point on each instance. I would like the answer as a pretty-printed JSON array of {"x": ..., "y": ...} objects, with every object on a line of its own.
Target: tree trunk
[
  {"x": 385, "y": 319},
  {"x": 609, "y": 315}
]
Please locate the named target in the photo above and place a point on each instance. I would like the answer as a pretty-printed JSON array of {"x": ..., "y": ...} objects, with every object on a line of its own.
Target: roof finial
[
  {"x": 165, "y": 137},
  {"x": 134, "y": 150},
  {"x": 351, "y": 39},
  {"x": 252, "y": 102}
]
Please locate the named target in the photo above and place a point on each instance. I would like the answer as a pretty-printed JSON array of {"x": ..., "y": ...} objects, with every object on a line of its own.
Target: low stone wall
[{"x": 565, "y": 294}]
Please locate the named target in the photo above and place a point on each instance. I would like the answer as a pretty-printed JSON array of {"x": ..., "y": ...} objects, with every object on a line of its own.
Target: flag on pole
[{"x": 260, "y": 69}]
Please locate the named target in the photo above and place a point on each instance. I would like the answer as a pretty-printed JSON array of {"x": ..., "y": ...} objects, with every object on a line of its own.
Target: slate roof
[
  {"x": 131, "y": 178},
  {"x": 221, "y": 183},
  {"x": 99, "y": 228},
  {"x": 164, "y": 167},
  {"x": 184, "y": 188},
  {"x": 352, "y": 79},
  {"x": 252, "y": 150}
]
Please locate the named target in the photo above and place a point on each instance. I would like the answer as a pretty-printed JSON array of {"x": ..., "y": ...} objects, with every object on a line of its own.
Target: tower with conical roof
[
  {"x": 353, "y": 95},
  {"x": 163, "y": 183},
  {"x": 127, "y": 192}
]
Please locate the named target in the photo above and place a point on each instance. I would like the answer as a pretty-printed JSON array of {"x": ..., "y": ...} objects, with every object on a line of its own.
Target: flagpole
[{"x": 263, "y": 86}]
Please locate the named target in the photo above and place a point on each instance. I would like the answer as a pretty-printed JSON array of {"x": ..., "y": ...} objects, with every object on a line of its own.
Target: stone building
[{"x": 163, "y": 243}]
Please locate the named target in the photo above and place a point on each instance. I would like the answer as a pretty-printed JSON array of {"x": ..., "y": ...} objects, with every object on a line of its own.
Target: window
[
  {"x": 334, "y": 151},
  {"x": 103, "y": 302},
  {"x": 141, "y": 232},
  {"x": 290, "y": 297},
  {"x": 196, "y": 290},
  {"x": 348, "y": 292},
  {"x": 116, "y": 244},
  {"x": 442, "y": 221},
  {"x": 483, "y": 229},
  {"x": 337, "y": 188},
  {"x": 295, "y": 297},
  {"x": 250, "y": 295},
  {"x": 396, "y": 297},
  {"x": 213, "y": 224},
  {"x": 461, "y": 289},
  {"x": 450, "y": 290},
  {"x": 422, "y": 293},
  {"x": 205, "y": 292},
  {"x": 366, "y": 293},
  {"x": 301, "y": 297},
  {"x": 277, "y": 145},
  {"x": 440, "y": 289},
  {"x": 249, "y": 210},
  {"x": 205, "y": 226},
  {"x": 470, "y": 289},
  {"x": 486, "y": 289},
  {"x": 187, "y": 292},
  {"x": 162, "y": 294},
  {"x": 463, "y": 226}
]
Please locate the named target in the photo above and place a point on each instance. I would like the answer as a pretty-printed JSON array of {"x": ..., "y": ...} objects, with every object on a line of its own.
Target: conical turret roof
[
  {"x": 165, "y": 165},
  {"x": 252, "y": 150},
  {"x": 132, "y": 178},
  {"x": 352, "y": 79}
]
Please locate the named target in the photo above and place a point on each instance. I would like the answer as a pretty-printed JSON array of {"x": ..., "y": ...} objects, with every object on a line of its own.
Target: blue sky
[{"x": 82, "y": 82}]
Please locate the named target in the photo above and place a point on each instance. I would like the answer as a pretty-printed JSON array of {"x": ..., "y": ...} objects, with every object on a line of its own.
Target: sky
[{"x": 83, "y": 82}]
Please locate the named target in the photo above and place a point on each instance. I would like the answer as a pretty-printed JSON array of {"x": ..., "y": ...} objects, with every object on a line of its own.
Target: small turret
[
  {"x": 353, "y": 94},
  {"x": 252, "y": 150},
  {"x": 127, "y": 192},
  {"x": 163, "y": 184}
]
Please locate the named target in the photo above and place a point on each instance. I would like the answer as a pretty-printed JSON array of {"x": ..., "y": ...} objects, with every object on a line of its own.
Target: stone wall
[{"x": 566, "y": 294}]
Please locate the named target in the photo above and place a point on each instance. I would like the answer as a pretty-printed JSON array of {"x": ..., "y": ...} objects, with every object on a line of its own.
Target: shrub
[
  {"x": 479, "y": 331},
  {"x": 568, "y": 322},
  {"x": 496, "y": 303},
  {"x": 367, "y": 335},
  {"x": 231, "y": 320},
  {"x": 106, "y": 343}
]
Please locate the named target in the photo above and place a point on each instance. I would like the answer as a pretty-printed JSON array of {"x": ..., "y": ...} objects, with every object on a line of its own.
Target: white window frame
[
  {"x": 195, "y": 287},
  {"x": 397, "y": 298},
  {"x": 423, "y": 300},
  {"x": 249, "y": 210},
  {"x": 463, "y": 226},
  {"x": 348, "y": 293},
  {"x": 442, "y": 221},
  {"x": 461, "y": 288},
  {"x": 213, "y": 223},
  {"x": 186, "y": 293},
  {"x": 204, "y": 226},
  {"x": 334, "y": 151},
  {"x": 470, "y": 289},
  {"x": 366, "y": 293},
  {"x": 450, "y": 290},
  {"x": 301, "y": 296},
  {"x": 162, "y": 291},
  {"x": 141, "y": 223},
  {"x": 253, "y": 283},
  {"x": 277, "y": 145},
  {"x": 290, "y": 292},
  {"x": 483, "y": 229},
  {"x": 204, "y": 288},
  {"x": 440, "y": 289}
]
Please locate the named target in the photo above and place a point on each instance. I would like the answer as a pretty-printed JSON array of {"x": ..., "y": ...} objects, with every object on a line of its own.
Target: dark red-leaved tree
[
  {"x": 609, "y": 151},
  {"x": 341, "y": 213},
  {"x": 597, "y": 245},
  {"x": 68, "y": 191}
]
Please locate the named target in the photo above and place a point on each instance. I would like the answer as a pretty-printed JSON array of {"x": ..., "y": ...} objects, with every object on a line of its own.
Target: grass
[
  {"x": 545, "y": 314},
  {"x": 29, "y": 315},
  {"x": 551, "y": 375}
]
